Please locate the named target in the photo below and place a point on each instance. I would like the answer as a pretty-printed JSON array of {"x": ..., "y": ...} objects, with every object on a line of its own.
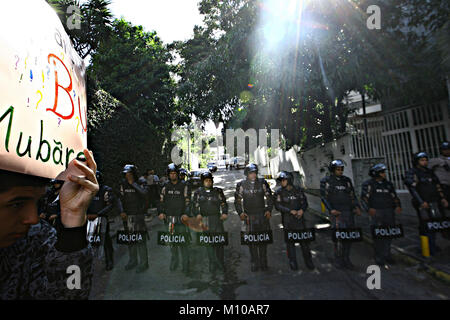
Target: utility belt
[{"x": 172, "y": 221}]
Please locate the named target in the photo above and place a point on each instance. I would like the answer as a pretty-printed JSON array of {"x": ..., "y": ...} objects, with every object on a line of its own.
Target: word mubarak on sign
[
  {"x": 212, "y": 238},
  {"x": 387, "y": 232},
  {"x": 257, "y": 237},
  {"x": 126, "y": 237},
  {"x": 300, "y": 235},
  {"x": 173, "y": 238},
  {"x": 347, "y": 234}
]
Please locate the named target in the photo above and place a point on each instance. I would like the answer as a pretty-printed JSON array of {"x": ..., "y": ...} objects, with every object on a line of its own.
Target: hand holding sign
[{"x": 78, "y": 191}]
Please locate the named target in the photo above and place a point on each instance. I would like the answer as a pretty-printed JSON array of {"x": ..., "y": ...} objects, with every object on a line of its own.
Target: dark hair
[{"x": 9, "y": 180}]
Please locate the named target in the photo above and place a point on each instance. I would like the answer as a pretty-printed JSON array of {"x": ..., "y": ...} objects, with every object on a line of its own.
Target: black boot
[
  {"x": 141, "y": 268},
  {"x": 109, "y": 252},
  {"x": 185, "y": 260},
  {"x": 143, "y": 256},
  {"x": 263, "y": 257},
  {"x": 130, "y": 265},
  {"x": 346, "y": 254},
  {"x": 338, "y": 258},
  {"x": 132, "y": 249},
  {"x": 174, "y": 259},
  {"x": 293, "y": 265},
  {"x": 307, "y": 256},
  {"x": 254, "y": 258}
]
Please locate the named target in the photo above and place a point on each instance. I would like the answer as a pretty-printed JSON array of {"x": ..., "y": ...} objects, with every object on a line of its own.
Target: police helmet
[
  {"x": 377, "y": 169},
  {"x": 285, "y": 175},
  {"x": 419, "y": 155},
  {"x": 334, "y": 164},
  {"x": 172, "y": 168},
  {"x": 206, "y": 175},
  {"x": 250, "y": 168},
  {"x": 444, "y": 146},
  {"x": 131, "y": 168},
  {"x": 182, "y": 171}
]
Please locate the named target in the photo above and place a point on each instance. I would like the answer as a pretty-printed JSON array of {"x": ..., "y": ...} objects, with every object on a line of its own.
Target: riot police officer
[
  {"x": 338, "y": 196},
  {"x": 441, "y": 168},
  {"x": 254, "y": 211},
  {"x": 174, "y": 208},
  {"x": 427, "y": 196},
  {"x": 132, "y": 207},
  {"x": 210, "y": 206},
  {"x": 182, "y": 174},
  {"x": 291, "y": 201},
  {"x": 380, "y": 200},
  {"x": 102, "y": 204}
]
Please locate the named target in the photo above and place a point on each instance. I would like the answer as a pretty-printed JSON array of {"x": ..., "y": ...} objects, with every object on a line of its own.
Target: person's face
[
  {"x": 382, "y": 175},
  {"x": 207, "y": 183},
  {"x": 423, "y": 162},
  {"x": 252, "y": 176},
  {"x": 446, "y": 153},
  {"x": 129, "y": 176},
  {"x": 173, "y": 176},
  {"x": 339, "y": 171},
  {"x": 18, "y": 211},
  {"x": 284, "y": 183}
]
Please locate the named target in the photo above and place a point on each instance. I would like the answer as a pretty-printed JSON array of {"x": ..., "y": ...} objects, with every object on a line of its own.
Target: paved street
[{"x": 279, "y": 282}]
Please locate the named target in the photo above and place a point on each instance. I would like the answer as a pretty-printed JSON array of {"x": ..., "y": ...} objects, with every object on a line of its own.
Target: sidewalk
[{"x": 408, "y": 248}]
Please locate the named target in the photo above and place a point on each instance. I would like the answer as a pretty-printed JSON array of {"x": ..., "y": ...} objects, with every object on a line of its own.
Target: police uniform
[
  {"x": 381, "y": 196},
  {"x": 252, "y": 194},
  {"x": 441, "y": 168},
  {"x": 424, "y": 186},
  {"x": 211, "y": 203},
  {"x": 285, "y": 201},
  {"x": 174, "y": 203},
  {"x": 132, "y": 201},
  {"x": 100, "y": 207},
  {"x": 337, "y": 193}
]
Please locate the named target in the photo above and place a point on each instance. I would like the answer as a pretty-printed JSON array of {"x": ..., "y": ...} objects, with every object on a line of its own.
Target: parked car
[
  {"x": 212, "y": 166},
  {"x": 194, "y": 178},
  {"x": 237, "y": 163}
]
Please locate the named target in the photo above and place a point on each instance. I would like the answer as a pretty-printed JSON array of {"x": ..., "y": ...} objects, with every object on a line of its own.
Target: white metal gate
[{"x": 398, "y": 134}]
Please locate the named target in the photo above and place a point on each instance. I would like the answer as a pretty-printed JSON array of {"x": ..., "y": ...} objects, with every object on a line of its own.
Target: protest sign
[{"x": 43, "y": 107}]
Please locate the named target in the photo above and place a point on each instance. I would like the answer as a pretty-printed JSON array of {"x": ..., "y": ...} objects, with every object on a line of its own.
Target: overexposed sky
[{"x": 171, "y": 19}]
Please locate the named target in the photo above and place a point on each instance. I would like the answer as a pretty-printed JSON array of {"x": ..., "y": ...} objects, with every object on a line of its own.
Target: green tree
[{"x": 95, "y": 23}]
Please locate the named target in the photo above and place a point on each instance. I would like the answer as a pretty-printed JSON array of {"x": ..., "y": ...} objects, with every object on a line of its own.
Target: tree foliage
[
  {"x": 254, "y": 66},
  {"x": 95, "y": 21}
]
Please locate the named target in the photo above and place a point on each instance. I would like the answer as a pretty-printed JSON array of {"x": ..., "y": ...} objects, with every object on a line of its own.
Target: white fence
[{"x": 397, "y": 135}]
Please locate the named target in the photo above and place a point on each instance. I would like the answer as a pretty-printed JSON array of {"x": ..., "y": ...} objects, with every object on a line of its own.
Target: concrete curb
[{"x": 403, "y": 255}]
